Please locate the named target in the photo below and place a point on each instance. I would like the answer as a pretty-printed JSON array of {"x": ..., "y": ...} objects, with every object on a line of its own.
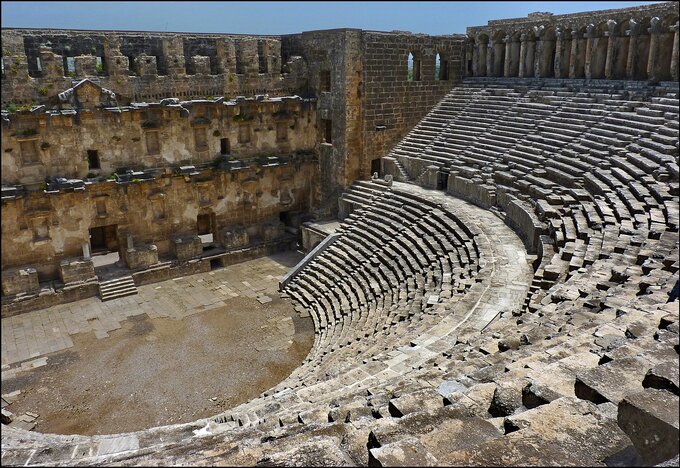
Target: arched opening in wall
[
  {"x": 621, "y": 50},
  {"x": 513, "y": 64},
  {"x": 69, "y": 66},
  {"x": 547, "y": 57},
  {"x": 580, "y": 57},
  {"x": 498, "y": 54},
  {"x": 598, "y": 57},
  {"x": 412, "y": 67},
  {"x": 642, "y": 52},
  {"x": 564, "y": 54},
  {"x": 665, "y": 49},
  {"x": 441, "y": 68}
]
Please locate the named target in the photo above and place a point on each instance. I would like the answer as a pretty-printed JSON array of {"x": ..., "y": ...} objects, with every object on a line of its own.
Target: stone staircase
[{"x": 117, "y": 287}]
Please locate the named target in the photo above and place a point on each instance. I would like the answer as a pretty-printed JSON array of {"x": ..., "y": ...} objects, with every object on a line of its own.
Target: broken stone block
[
  {"x": 427, "y": 398},
  {"x": 663, "y": 376},
  {"x": 611, "y": 381},
  {"x": 650, "y": 418},
  {"x": 406, "y": 452}
]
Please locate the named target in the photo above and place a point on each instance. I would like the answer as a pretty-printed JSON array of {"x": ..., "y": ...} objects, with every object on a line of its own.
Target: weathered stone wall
[
  {"x": 144, "y": 66},
  {"x": 151, "y": 136},
  {"x": 393, "y": 104},
  {"x": 45, "y": 228}
]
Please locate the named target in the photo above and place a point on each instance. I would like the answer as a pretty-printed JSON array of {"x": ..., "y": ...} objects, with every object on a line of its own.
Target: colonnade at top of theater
[{"x": 644, "y": 48}]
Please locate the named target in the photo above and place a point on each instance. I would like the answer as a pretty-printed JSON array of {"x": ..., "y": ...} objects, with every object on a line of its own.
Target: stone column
[
  {"x": 475, "y": 58},
  {"x": 590, "y": 35},
  {"x": 522, "y": 54},
  {"x": 574, "y": 54},
  {"x": 632, "y": 49},
  {"x": 558, "y": 53},
  {"x": 489, "y": 59},
  {"x": 508, "y": 53},
  {"x": 674, "y": 56},
  {"x": 609, "y": 61},
  {"x": 654, "y": 32},
  {"x": 538, "y": 54},
  {"x": 86, "y": 250}
]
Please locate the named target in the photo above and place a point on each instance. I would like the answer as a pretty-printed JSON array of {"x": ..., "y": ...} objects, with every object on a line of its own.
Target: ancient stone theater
[{"x": 483, "y": 230}]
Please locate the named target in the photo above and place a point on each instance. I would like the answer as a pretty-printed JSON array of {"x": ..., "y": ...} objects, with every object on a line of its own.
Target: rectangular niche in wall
[
  {"x": 244, "y": 134},
  {"x": 282, "y": 131},
  {"x": 152, "y": 142},
  {"x": 93, "y": 159},
  {"x": 29, "y": 151},
  {"x": 200, "y": 138}
]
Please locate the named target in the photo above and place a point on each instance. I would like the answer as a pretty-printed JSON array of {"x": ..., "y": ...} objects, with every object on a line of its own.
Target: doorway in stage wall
[
  {"x": 375, "y": 167},
  {"x": 104, "y": 239},
  {"x": 104, "y": 247},
  {"x": 205, "y": 227}
]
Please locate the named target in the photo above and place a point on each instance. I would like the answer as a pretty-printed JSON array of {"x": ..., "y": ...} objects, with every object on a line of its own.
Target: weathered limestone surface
[
  {"x": 76, "y": 270},
  {"x": 512, "y": 299}
]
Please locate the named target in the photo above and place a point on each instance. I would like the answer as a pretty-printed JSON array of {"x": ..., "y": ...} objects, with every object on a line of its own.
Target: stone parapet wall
[{"x": 145, "y": 65}]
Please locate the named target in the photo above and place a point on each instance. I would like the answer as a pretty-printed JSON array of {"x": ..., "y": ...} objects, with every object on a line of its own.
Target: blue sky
[{"x": 279, "y": 17}]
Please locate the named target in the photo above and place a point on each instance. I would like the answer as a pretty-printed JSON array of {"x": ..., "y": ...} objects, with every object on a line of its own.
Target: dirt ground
[{"x": 161, "y": 371}]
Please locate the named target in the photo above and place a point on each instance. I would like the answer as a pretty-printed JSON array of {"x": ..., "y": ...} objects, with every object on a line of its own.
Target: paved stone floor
[
  {"x": 180, "y": 350},
  {"x": 27, "y": 337}
]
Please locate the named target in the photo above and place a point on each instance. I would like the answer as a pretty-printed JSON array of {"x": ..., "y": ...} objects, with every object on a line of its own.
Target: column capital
[
  {"x": 655, "y": 26},
  {"x": 508, "y": 39},
  {"x": 590, "y": 31},
  {"x": 674, "y": 28}
]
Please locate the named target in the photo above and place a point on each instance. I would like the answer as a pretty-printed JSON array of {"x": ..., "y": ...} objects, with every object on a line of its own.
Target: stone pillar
[
  {"x": 674, "y": 57},
  {"x": 86, "y": 250},
  {"x": 574, "y": 54},
  {"x": 482, "y": 49},
  {"x": 609, "y": 61},
  {"x": 590, "y": 35},
  {"x": 558, "y": 54},
  {"x": 538, "y": 50},
  {"x": 522, "y": 54},
  {"x": 654, "y": 32},
  {"x": 130, "y": 243},
  {"x": 489, "y": 59},
  {"x": 475, "y": 58},
  {"x": 508, "y": 53},
  {"x": 632, "y": 49}
]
